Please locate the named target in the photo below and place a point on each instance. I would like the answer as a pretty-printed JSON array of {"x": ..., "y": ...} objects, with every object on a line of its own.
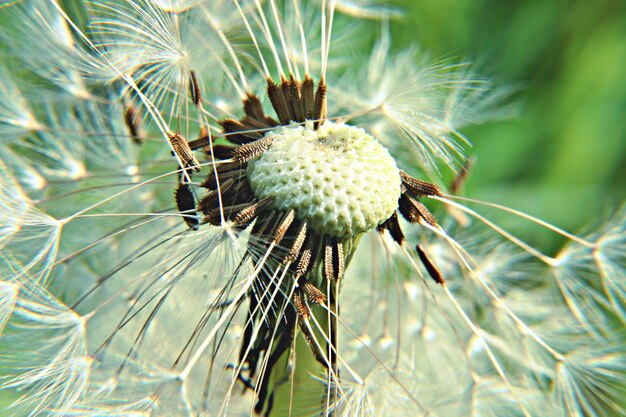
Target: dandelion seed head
[
  {"x": 158, "y": 47},
  {"x": 122, "y": 309},
  {"x": 585, "y": 381},
  {"x": 587, "y": 278}
]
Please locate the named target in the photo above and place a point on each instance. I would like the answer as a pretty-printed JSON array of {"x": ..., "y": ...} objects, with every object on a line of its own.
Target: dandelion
[{"x": 207, "y": 209}]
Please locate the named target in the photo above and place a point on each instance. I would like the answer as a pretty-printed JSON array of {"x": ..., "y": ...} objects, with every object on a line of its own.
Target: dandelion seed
[
  {"x": 48, "y": 359},
  {"x": 16, "y": 118},
  {"x": 46, "y": 31},
  {"x": 8, "y": 298},
  {"x": 430, "y": 267},
  {"x": 132, "y": 118},
  {"x": 26, "y": 232},
  {"x": 194, "y": 89}
]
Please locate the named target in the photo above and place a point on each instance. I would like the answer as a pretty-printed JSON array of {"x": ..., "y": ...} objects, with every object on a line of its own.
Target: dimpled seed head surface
[{"x": 338, "y": 178}]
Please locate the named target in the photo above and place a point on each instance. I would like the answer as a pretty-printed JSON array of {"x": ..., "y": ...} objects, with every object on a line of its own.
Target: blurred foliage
[{"x": 562, "y": 157}]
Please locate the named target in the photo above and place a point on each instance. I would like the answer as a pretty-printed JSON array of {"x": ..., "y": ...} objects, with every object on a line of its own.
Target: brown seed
[
  {"x": 414, "y": 211},
  {"x": 392, "y": 224},
  {"x": 211, "y": 201},
  {"x": 186, "y": 204},
  {"x": 252, "y": 124},
  {"x": 308, "y": 97},
  {"x": 237, "y": 132},
  {"x": 313, "y": 294},
  {"x": 263, "y": 224},
  {"x": 194, "y": 89},
  {"x": 210, "y": 182},
  {"x": 419, "y": 188},
  {"x": 338, "y": 258},
  {"x": 460, "y": 177},
  {"x": 226, "y": 167},
  {"x": 333, "y": 259},
  {"x": 201, "y": 142},
  {"x": 132, "y": 118},
  {"x": 328, "y": 262},
  {"x": 308, "y": 255},
  {"x": 425, "y": 214},
  {"x": 283, "y": 226},
  {"x": 221, "y": 151},
  {"x": 183, "y": 151},
  {"x": 250, "y": 151},
  {"x": 430, "y": 266},
  {"x": 299, "y": 239},
  {"x": 265, "y": 229},
  {"x": 304, "y": 262},
  {"x": 252, "y": 107},
  {"x": 279, "y": 102},
  {"x": 248, "y": 214},
  {"x": 285, "y": 86},
  {"x": 300, "y": 305},
  {"x": 214, "y": 216},
  {"x": 241, "y": 193},
  {"x": 407, "y": 209},
  {"x": 295, "y": 95},
  {"x": 319, "y": 111}
]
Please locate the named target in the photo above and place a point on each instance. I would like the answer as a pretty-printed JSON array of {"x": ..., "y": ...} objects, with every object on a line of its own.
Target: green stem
[{"x": 303, "y": 394}]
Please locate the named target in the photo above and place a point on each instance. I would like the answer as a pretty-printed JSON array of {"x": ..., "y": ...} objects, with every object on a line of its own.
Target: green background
[{"x": 562, "y": 156}]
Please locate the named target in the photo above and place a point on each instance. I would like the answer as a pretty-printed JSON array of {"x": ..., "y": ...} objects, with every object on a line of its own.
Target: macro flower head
[{"x": 239, "y": 207}]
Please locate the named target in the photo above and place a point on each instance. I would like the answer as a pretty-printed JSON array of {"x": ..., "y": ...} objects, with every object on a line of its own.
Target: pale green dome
[{"x": 338, "y": 178}]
